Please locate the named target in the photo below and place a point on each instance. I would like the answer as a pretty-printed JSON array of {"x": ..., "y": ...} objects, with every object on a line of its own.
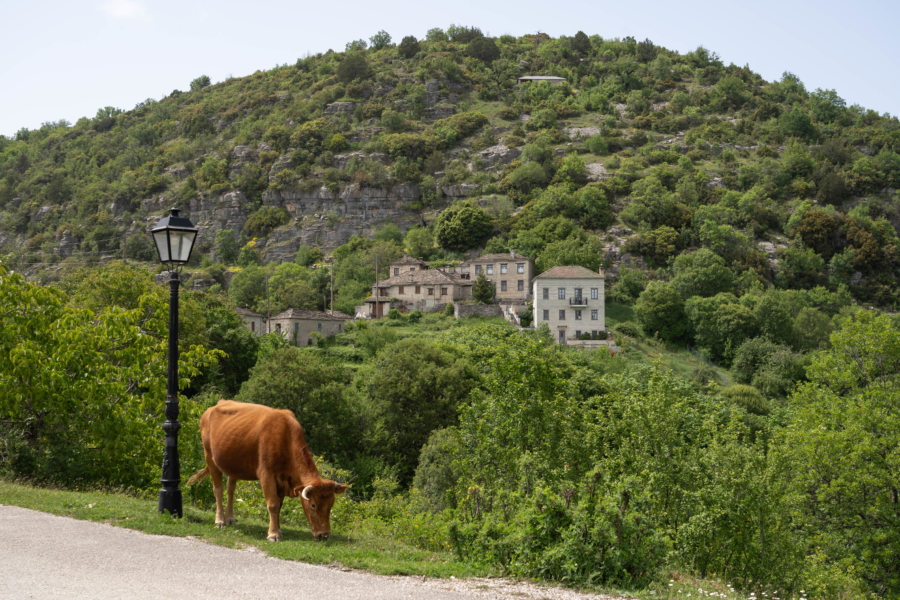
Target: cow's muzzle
[{"x": 321, "y": 537}]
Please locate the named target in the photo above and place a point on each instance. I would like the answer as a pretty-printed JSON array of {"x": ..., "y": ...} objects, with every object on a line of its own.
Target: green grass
[
  {"x": 617, "y": 313},
  {"x": 358, "y": 549}
]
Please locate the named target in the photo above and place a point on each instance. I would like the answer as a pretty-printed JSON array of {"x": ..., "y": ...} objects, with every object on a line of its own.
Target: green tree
[
  {"x": 353, "y": 66},
  {"x": 524, "y": 178},
  {"x": 248, "y": 287},
  {"x": 291, "y": 286},
  {"x": 307, "y": 255},
  {"x": 409, "y": 47},
  {"x": 483, "y": 290},
  {"x": 594, "y": 207},
  {"x": 380, "y": 40},
  {"x": 721, "y": 324},
  {"x": 82, "y": 392},
  {"x": 418, "y": 242},
  {"x": 224, "y": 331},
  {"x": 226, "y": 247},
  {"x": 484, "y": 49},
  {"x": 799, "y": 267},
  {"x": 580, "y": 248},
  {"x": 200, "y": 83},
  {"x": 701, "y": 273},
  {"x": 313, "y": 388},
  {"x": 571, "y": 171},
  {"x": 415, "y": 387},
  {"x": 436, "y": 34},
  {"x": 842, "y": 446},
  {"x": 660, "y": 311},
  {"x": 462, "y": 226},
  {"x": 581, "y": 42}
]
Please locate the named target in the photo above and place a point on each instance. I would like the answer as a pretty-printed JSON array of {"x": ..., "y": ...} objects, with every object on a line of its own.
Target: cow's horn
[{"x": 304, "y": 492}]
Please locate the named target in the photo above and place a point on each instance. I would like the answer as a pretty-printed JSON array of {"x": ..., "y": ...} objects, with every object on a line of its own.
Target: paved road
[{"x": 48, "y": 557}]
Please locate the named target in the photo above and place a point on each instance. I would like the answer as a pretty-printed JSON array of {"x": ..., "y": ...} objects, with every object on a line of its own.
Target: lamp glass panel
[
  {"x": 182, "y": 241},
  {"x": 162, "y": 244}
]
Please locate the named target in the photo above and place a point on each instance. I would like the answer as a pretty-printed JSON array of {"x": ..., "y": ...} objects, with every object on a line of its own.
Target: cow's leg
[
  {"x": 229, "y": 508},
  {"x": 216, "y": 475},
  {"x": 273, "y": 503}
]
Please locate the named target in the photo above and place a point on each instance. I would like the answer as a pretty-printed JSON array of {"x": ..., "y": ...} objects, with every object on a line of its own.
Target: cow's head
[{"x": 318, "y": 498}]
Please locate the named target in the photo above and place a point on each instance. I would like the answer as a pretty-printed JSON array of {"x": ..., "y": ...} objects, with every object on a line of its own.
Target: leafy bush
[
  {"x": 409, "y": 47},
  {"x": 266, "y": 218},
  {"x": 462, "y": 226},
  {"x": 313, "y": 389}
]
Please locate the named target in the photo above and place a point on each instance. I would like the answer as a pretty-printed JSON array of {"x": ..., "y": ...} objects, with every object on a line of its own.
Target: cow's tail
[{"x": 202, "y": 473}]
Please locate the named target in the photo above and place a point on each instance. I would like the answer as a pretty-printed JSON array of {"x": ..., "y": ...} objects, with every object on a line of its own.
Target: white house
[{"x": 571, "y": 300}]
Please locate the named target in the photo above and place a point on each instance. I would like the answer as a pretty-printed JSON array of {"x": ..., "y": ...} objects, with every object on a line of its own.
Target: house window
[
  {"x": 431, "y": 291},
  {"x": 396, "y": 270},
  {"x": 577, "y": 292},
  {"x": 561, "y": 293},
  {"x": 595, "y": 294},
  {"x": 503, "y": 286},
  {"x": 520, "y": 267},
  {"x": 546, "y": 293},
  {"x": 463, "y": 269},
  {"x": 577, "y": 333},
  {"x": 411, "y": 269},
  {"x": 443, "y": 291},
  {"x": 546, "y": 314},
  {"x": 318, "y": 326},
  {"x": 562, "y": 314},
  {"x": 502, "y": 268},
  {"x": 418, "y": 289},
  {"x": 401, "y": 290},
  {"x": 252, "y": 326},
  {"x": 520, "y": 285},
  {"x": 477, "y": 269},
  {"x": 578, "y": 315},
  {"x": 489, "y": 269},
  {"x": 594, "y": 315}
]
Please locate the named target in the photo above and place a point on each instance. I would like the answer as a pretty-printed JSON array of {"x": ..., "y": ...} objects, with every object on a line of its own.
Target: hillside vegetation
[
  {"x": 747, "y": 431},
  {"x": 642, "y": 155}
]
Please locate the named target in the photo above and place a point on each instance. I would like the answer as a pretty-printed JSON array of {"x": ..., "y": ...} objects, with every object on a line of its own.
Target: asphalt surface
[{"x": 46, "y": 557}]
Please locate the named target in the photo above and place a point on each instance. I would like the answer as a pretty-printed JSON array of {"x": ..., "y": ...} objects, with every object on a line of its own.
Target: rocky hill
[{"x": 632, "y": 155}]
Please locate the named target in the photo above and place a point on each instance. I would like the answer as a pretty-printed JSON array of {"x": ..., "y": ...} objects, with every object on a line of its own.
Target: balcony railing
[{"x": 578, "y": 301}]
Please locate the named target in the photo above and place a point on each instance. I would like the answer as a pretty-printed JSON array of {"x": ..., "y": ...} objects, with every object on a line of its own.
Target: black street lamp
[{"x": 174, "y": 237}]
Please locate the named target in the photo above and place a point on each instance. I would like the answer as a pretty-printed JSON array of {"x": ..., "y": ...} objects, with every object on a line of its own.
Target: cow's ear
[
  {"x": 340, "y": 488},
  {"x": 297, "y": 491}
]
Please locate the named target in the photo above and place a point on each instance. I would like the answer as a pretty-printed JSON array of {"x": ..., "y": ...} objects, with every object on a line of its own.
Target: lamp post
[{"x": 174, "y": 237}]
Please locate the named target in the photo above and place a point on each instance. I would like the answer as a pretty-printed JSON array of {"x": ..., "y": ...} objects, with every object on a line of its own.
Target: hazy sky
[{"x": 64, "y": 59}]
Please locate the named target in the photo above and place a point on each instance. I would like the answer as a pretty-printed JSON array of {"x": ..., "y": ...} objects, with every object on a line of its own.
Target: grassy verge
[
  {"x": 360, "y": 544},
  {"x": 357, "y": 548}
]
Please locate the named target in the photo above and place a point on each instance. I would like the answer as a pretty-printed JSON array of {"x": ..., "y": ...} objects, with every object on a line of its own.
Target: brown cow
[{"x": 251, "y": 441}]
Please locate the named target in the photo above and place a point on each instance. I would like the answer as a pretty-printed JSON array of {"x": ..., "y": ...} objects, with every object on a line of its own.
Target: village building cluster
[{"x": 569, "y": 299}]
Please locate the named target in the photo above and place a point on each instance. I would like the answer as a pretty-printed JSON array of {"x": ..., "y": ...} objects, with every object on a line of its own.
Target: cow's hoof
[
  {"x": 275, "y": 537},
  {"x": 231, "y": 521},
  {"x": 220, "y": 524}
]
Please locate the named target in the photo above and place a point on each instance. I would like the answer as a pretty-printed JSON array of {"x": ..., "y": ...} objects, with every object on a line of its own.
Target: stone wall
[{"x": 461, "y": 310}]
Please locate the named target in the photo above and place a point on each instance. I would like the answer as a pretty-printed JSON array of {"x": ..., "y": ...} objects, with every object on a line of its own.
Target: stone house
[
  {"x": 298, "y": 326},
  {"x": 255, "y": 322},
  {"x": 572, "y": 301},
  {"x": 418, "y": 289},
  {"x": 510, "y": 273},
  {"x": 407, "y": 264}
]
